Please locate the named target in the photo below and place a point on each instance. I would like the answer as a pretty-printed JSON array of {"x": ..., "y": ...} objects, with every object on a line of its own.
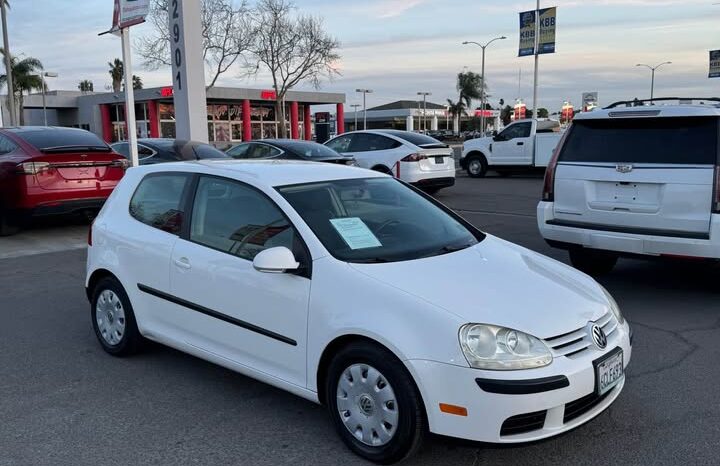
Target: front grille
[
  {"x": 579, "y": 407},
  {"x": 523, "y": 423},
  {"x": 575, "y": 343}
]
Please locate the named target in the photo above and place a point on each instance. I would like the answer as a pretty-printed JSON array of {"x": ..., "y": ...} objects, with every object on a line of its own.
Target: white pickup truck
[{"x": 525, "y": 144}]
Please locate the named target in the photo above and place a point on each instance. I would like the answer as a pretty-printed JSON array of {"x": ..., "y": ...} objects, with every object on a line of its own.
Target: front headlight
[
  {"x": 502, "y": 349},
  {"x": 614, "y": 306}
]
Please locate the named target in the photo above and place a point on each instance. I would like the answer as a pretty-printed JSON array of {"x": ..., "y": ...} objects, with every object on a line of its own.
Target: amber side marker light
[{"x": 452, "y": 409}]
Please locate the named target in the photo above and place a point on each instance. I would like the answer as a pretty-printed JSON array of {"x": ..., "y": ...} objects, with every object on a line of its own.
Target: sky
[{"x": 401, "y": 47}]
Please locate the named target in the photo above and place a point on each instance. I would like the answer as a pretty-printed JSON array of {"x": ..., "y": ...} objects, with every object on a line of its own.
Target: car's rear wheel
[
  {"x": 113, "y": 319},
  {"x": 476, "y": 166},
  {"x": 374, "y": 403},
  {"x": 592, "y": 261}
]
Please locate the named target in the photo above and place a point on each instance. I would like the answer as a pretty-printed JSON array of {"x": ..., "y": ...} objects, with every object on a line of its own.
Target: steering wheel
[{"x": 384, "y": 225}]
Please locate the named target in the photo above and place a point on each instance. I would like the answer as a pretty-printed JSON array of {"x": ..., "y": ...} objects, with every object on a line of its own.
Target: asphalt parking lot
[{"x": 64, "y": 401}]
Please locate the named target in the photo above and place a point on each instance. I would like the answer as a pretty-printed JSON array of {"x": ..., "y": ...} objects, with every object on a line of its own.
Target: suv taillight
[
  {"x": 31, "y": 168},
  {"x": 414, "y": 158},
  {"x": 716, "y": 191},
  {"x": 548, "y": 194}
]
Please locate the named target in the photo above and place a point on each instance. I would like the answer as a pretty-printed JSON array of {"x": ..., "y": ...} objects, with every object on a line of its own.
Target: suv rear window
[
  {"x": 418, "y": 139},
  {"x": 676, "y": 140}
]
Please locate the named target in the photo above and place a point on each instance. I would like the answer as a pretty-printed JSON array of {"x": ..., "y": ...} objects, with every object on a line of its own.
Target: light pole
[
  {"x": 652, "y": 81},
  {"x": 482, "y": 90},
  {"x": 365, "y": 92},
  {"x": 42, "y": 76},
  {"x": 355, "y": 112},
  {"x": 424, "y": 118}
]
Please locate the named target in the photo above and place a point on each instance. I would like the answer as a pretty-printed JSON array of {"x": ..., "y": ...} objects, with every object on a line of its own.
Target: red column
[
  {"x": 153, "y": 119},
  {"x": 340, "y": 118},
  {"x": 308, "y": 123},
  {"x": 107, "y": 129},
  {"x": 294, "y": 120},
  {"x": 247, "y": 128}
]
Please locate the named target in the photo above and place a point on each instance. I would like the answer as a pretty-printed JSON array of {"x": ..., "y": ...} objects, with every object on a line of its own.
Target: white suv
[{"x": 639, "y": 181}]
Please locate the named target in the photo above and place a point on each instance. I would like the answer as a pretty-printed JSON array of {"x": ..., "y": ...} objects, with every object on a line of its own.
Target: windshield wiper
[
  {"x": 371, "y": 260},
  {"x": 76, "y": 148},
  {"x": 447, "y": 250}
]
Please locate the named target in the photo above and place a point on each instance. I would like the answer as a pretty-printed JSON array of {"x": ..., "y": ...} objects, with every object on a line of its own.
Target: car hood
[
  {"x": 478, "y": 143},
  {"x": 499, "y": 283}
]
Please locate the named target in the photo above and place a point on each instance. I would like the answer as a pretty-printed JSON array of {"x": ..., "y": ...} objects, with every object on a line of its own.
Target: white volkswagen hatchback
[{"x": 340, "y": 285}]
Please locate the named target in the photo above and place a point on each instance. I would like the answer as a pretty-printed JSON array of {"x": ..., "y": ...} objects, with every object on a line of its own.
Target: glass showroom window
[
  {"x": 117, "y": 116},
  {"x": 167, "y": 120},
  {"x": 224, "y": 123}
]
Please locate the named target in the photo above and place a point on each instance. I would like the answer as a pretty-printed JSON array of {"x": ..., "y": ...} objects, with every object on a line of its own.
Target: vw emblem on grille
[
  {"x": 624, "y": 168},
  {"x": 598, "y": 336}
]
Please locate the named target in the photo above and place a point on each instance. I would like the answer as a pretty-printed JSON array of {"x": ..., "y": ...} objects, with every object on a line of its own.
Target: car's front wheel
[
  {"x": 113, "y": 319},
  {"x": 592, "y": 261},
  {"x": 374, "y": 403},
  {"x": 476, "y": 166}
]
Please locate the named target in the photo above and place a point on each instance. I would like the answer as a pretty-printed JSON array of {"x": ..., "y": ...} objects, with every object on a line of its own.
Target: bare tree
[
  {"x": 225, "y": 32},
  {"x": 293, "y": 48}
]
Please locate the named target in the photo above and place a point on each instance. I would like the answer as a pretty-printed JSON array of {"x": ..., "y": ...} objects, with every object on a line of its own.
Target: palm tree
[
  {"x": 86, "y": 86},
  {"x": 470, "y": 86},
  {"x": 137, "y": 82},
  {"x": 116, "y": 71},
  {"x": 26, "y": 78}
]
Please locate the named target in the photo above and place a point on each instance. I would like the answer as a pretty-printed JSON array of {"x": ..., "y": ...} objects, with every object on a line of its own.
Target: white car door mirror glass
[{"x": 275, "y": 260}]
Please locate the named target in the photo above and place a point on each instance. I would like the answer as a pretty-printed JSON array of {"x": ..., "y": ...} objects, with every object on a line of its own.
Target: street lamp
[
  {"x": 355, "y": 112},
  {"x": 42, "y": 76},
  {"x": 424, "y": 119},
  {"x": 652, "y": 82},
  {"x": 482, "y": 91},
  {"x": 365, "y": 92}
]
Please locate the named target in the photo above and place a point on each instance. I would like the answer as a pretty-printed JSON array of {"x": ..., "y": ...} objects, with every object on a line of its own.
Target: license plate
[
  {"x": 608, "y": 371},
  {"x": 439, "y": 160}
]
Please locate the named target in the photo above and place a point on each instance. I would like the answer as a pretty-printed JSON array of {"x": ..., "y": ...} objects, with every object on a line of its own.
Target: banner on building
[
  {"x": 714, "y": 64},
  {"x": 130, "y": 12},
  {"x": 546, "y": 42}
]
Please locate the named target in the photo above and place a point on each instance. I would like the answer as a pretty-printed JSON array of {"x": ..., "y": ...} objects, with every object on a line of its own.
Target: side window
[
  {"x": 6, "y": 145},
  {"x": 206, "y": 151},
  {"x": 241, "y": 151},
  {"x": 524, "y": 130},
  {"x": 122, "y": 148},
  {"x": 231, "y": 217},
  {"x": 371, "y": 142},
  {"x": 157, "y": 201},
  {"x": 144, "y": 151},
  {"x": 518, "y": 130},
  {"x": 263, "y": 151},
  {"x": 341, "y": 144}
]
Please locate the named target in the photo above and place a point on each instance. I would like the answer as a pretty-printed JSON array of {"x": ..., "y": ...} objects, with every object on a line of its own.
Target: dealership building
[{"x": 233, "y": 114}]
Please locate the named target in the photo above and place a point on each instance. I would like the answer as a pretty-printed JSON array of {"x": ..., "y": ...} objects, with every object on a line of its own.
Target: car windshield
[
  {"x": 312, "y": 150},
  {"x": 374, "y": 220}
]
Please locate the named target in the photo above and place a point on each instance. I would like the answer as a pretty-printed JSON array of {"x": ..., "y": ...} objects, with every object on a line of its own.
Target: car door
[
  {"x": 230, "y": 309},
  {"x": 375, "y": 151},
  {"x": 341, "y": 144},
  {"x": 513, "y": 145}
]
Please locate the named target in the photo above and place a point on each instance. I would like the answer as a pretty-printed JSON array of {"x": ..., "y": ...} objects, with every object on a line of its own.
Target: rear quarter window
[
  {"x": 157, "y": 201},
  {"x": 676, "y": 140}
]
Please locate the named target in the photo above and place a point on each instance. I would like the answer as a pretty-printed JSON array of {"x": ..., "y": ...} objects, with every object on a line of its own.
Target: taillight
[
  {"x": 122, "y": 163},
  {"x": 414, "y": 158},
  {"x": 548, "y": 194},
  {"x": 31, "y": 168},
  {"x": 716, "y": 191}
]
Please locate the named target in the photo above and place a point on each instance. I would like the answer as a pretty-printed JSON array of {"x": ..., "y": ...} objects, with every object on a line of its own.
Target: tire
[
  {"x": 115, "y": 327},
  {"x": 592, "y": 261},
  {"x": 476, "y": 166},
  {"x": 388, "y": 436},
  {"x": 8, "y": 224},
  {"x": 431, "y": 191}
]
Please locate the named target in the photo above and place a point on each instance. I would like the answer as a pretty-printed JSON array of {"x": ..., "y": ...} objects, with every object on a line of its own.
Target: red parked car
[{"x": 53, "y": 171}]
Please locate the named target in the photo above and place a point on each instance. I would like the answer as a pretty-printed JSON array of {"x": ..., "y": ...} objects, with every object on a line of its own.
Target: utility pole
[
  {"x": 365, "y": 92},
  {"x": 424, "y": 114},
  {"x": 652, "y": 79},
  {"x": 537, "y": 57},
  {"x": 355, "y": 112},
  {"x": 8, "y": 67},
  {"x": 42, "y": 75},
  {"x": 482, "y": 90}
]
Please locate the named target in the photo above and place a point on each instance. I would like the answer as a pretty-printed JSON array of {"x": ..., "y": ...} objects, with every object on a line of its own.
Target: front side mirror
[{"x": 275, "y": 260}]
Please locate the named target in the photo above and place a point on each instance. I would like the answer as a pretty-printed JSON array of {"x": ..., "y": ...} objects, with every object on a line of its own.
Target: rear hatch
[
  {"x": 439, "y": 157},
  {"x": 646, "y": 175},
  {"x": 78, "y": 169}
]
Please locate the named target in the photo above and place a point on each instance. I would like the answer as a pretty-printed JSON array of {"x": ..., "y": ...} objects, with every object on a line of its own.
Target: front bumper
[
  {"x": 514, "y": 418},
  {"x": 628, "y": 243}
]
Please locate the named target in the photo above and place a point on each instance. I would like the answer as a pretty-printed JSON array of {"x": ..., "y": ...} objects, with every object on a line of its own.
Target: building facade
[{"x": 233, "y": 114}]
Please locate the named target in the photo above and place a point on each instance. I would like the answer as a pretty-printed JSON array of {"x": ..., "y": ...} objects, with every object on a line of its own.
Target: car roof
[
  {"x": 675, "y": 110},
  {"x": 268, "y": 173}
]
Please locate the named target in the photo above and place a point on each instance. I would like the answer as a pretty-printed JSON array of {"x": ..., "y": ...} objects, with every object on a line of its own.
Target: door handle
[
  {"x": 520, "y": 143},
  {"x": 183, "y": 263}
]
